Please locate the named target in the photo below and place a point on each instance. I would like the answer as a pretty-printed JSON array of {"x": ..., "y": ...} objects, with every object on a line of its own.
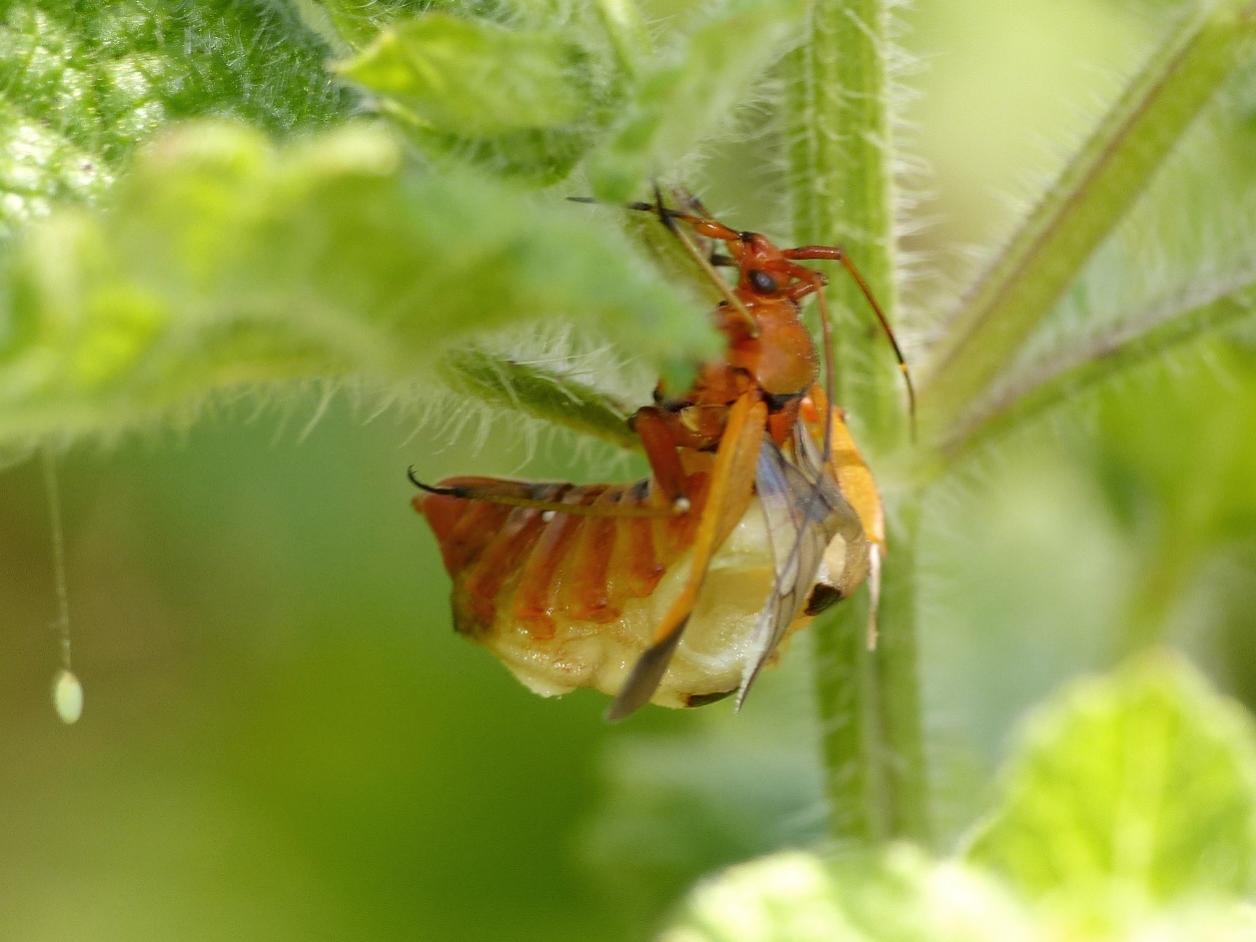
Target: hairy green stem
[
  {"x": 840, "y": 162},
  {"x": 870, "y": 701},
  {"x": 841, "y": 165},
  {"x": 1185, "y": 318},
  {"x": 1090, "y": 197},
  {"x": 898, "y": 680},
  {"x": 850, "y": 737}
]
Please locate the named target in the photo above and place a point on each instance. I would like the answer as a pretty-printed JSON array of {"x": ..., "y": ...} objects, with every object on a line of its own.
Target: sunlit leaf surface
[
  {"x": 82, "y": 83},
  {"x": 1141, "y": 785},
  {"x": 222, "y": 260},
  {"x": 800, "y": 897}
]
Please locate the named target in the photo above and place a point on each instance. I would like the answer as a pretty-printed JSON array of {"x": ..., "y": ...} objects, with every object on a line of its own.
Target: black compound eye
[{"x": 762, "y": 281}]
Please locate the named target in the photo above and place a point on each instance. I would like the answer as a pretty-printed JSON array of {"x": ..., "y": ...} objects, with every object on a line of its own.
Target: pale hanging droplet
[{"x": 67, "y": 697}]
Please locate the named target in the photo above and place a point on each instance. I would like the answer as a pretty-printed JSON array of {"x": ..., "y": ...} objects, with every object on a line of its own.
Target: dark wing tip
[
  {"x": 644, "y": 678},
  {"x": 704, "y": 699}
]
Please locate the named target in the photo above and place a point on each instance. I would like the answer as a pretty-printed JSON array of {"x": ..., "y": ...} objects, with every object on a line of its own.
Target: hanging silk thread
[{"x": 67, "y": 691}]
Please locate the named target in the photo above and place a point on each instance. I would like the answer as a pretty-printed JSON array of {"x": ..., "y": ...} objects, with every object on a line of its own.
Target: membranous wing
[{"x": 804, "y": 510}]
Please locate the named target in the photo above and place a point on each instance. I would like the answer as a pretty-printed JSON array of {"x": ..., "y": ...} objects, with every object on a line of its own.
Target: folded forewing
[{"x": 803, "y": 510}]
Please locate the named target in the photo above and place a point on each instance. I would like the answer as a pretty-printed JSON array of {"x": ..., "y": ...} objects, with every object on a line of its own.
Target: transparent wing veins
[{"x": 803, "y": 509}]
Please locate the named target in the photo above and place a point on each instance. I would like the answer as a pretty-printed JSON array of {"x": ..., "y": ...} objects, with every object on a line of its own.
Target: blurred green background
[{"x": 284, "y": 739}]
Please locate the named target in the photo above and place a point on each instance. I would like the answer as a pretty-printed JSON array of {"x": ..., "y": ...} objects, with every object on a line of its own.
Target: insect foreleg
[
  {"x": 540, "y": 496},
  {"x": 660, "y": 449}
]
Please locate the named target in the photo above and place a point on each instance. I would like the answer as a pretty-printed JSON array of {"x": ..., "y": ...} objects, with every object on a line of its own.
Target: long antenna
[
  {"x": 669, "y": 218},
  {"x": 67, "y": 692},
  {"x": 832, "y": 253},
  {"x": 889, "y": 334}
]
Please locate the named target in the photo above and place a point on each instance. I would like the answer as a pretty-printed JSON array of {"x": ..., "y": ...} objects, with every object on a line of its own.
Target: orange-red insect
[{"x": 758, "y": 513}]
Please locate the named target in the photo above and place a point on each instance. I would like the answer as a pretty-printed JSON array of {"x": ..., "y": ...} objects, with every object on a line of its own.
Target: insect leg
[
  {"x": 541, "y": 496},
  {"x": 732, "y": 484},
  {"x": 874, "y": 594},
  {"x": 660, "y": 448}
]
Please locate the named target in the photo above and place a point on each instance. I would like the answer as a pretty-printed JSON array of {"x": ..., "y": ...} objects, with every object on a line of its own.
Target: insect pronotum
[{"x": 759, "y": 511}]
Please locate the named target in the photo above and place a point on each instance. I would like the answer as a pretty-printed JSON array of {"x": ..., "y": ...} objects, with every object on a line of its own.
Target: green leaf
[
  {"x": 512, "y": 101},
  {"x": 897, "y": 896},
  {"x": 350, "y": 24},
  {"x": 692, "y": 92},
  {"x": 223, "y": 261},
  {"x": 82, "y": 83},
  {"x": 1137, "y": 786},
  {"x": 473, "y": 77},
  {"x": 554, "y": 397}
]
